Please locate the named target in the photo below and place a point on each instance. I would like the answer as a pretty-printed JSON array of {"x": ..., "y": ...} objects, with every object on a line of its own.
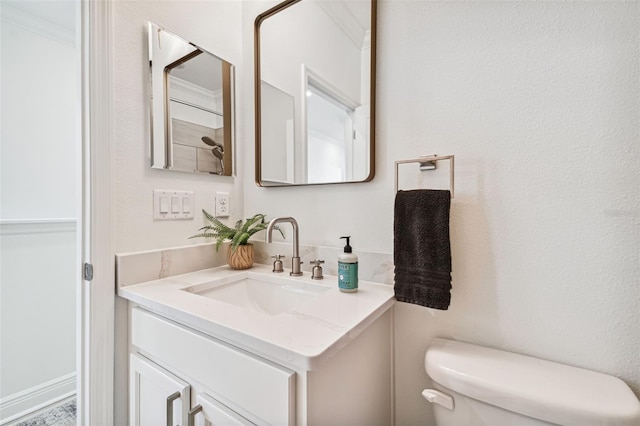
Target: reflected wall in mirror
[
  {"x": 315, "y": 92},
  {"x": 192, "y": 123}
]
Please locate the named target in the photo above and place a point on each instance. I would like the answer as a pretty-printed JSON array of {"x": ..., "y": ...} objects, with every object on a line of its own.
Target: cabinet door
[
  {"x": 209, "y": 412},
  {"x": 156, "y": 397},
  {"x": 264, "y": 391}
]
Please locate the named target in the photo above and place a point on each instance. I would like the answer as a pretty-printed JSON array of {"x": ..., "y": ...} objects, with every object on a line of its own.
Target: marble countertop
[{"x": 302, "y": 337}]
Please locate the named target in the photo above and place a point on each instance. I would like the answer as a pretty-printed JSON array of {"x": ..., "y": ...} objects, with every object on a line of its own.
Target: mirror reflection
[
  {"x": 279, "y": 158},
  {"x": 315, "y": 92},
  {"x": 191, "y": 105}
]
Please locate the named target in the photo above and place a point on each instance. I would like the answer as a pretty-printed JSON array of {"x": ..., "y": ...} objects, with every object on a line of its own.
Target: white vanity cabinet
[
  {"x": 225, "y": 381},
  {"x": 160, "y": 398},
  {"x": 209, "y": 412},
  {"x": 157, "y": 397},
  {"x": 176, "y": 370}
]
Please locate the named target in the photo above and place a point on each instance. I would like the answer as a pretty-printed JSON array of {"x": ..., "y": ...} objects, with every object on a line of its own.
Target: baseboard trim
[{"x": 33, "y": 399}]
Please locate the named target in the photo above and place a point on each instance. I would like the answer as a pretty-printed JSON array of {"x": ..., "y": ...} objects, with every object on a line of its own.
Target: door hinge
[{"x": 88, "y": 272}]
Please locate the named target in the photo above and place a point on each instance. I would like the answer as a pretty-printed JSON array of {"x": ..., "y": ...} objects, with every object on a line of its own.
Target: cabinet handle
[
  {"x": 192, "y": 414},
  {"x": 170, "y": 400}
]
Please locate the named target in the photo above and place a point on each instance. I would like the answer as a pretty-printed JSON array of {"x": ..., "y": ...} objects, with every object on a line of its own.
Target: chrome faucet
[{"x": 295, "y": 259}]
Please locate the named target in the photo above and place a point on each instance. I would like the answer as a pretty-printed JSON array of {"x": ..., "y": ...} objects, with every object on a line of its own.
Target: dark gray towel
[{"x": 421, "y": 248}]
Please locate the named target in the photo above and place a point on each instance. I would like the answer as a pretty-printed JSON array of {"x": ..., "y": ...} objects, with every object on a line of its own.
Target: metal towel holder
[{"x": 427, "y": 162}]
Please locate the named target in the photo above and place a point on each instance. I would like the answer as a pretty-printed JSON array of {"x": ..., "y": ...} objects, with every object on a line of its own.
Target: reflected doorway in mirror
[{"x": 336, "y": 131}]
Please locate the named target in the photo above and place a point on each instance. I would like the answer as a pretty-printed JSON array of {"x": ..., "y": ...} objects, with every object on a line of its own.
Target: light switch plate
[{"x": 172, "y": 205}]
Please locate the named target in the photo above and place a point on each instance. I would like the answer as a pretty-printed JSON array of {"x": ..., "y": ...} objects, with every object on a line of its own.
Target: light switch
[
  {"x": 176, "y": 206},
  {"x": 172, "y": 205},
  {"x": 186, "y": 204},
  {"x": 164, "y": 204}
]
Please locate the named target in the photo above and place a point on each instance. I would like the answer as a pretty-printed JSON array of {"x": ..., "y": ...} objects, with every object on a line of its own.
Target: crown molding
[
  {"x": 37, "y": 25},
  {"x": 340, "y": 14}
]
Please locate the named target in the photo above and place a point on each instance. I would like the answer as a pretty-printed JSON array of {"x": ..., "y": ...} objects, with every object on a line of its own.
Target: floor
[{"x": 60, "y": 415}]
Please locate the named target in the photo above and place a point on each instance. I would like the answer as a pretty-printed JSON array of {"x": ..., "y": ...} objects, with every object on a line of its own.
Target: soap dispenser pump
[{"x": 348, "y": 269}]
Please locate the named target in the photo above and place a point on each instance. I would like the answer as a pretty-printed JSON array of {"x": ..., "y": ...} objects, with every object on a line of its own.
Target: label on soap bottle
[{"x": 348, "y": 276}]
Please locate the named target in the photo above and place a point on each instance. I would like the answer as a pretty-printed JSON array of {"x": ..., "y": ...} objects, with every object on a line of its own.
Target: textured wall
[
  {"x": 213, "y": 25},
  {"x": 540, "y": 103},
  {"x": 216, "y": 27}
]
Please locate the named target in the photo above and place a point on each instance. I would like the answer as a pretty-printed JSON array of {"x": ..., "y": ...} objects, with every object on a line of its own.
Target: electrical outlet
[{"x": 223, "y": 207}]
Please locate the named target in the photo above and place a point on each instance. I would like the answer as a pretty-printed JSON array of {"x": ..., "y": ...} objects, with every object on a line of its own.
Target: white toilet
[{"x": 478, "y": 386}]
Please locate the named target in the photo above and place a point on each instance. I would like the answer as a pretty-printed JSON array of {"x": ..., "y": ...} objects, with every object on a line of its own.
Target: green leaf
[
  {"x": 204, "y": 235},
  {"x": 239, "y": 239},
  {"x": 279, "y": 229},
  {"x": 219, "y": 243},
  {"x": 253, "y": 220},
  {"x": 208, "y": 216},
  {"x": 238, "y": 235},
  {"x": 258, "y": 228}
]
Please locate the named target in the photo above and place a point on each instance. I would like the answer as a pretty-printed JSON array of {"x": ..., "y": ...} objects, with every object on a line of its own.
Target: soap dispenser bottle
[{"x": 348, "y": 269}]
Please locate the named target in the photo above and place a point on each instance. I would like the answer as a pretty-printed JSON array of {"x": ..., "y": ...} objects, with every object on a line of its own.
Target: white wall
[
  {"x": 216, "y": 27},
  {"x": 540, "y": 103},
  {"x": 37, "y": 177},
  {"x": 37, "y": 313},
  {"x": 212, "y": 25},
  {"x": 37, "y": 206},
  {"x": 320, "y": 210}
]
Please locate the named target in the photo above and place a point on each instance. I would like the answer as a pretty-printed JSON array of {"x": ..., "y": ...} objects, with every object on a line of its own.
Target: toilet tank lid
[{"x": 544, "y": 390}]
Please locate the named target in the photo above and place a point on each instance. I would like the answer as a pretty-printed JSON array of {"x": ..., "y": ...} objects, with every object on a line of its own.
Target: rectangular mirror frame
[
  {"x": 258, "y": 96},
  {"x": 161, "y": 143}
]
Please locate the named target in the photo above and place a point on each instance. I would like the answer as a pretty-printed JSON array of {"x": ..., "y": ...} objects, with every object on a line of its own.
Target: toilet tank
[{"x": 519, "y": 385}]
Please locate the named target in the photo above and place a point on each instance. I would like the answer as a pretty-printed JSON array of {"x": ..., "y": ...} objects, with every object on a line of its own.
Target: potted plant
[{"x": 240, "y": 251}]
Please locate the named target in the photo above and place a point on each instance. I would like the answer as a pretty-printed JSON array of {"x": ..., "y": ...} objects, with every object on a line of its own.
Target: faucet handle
[
  {"x": 277, "y": 263},
  {"x": 316, "y": 271}
]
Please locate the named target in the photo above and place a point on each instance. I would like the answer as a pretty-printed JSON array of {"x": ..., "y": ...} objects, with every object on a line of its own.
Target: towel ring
[{"x": 427, "y": 162}]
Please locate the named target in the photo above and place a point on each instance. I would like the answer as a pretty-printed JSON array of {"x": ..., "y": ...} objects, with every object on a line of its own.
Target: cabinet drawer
[{"x": 260, "y": 390}]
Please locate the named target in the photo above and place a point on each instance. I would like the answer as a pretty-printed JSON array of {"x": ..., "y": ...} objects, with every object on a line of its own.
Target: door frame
[{"x": 96, "y": 298}]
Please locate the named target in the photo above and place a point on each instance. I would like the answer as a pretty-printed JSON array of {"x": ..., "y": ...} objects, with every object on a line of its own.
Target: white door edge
[{"x": 96, "y": 298}]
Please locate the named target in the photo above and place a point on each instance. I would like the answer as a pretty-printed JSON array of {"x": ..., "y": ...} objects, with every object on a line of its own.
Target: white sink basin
[{"x": 262, "y": 293}]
